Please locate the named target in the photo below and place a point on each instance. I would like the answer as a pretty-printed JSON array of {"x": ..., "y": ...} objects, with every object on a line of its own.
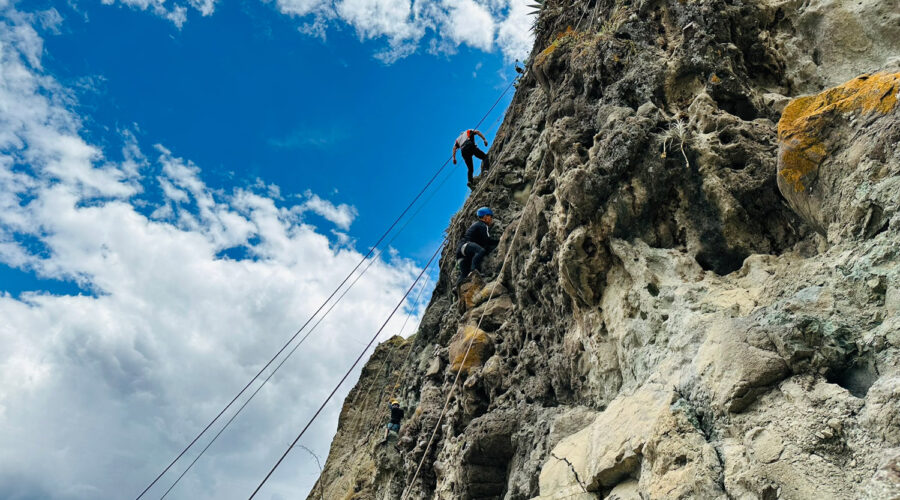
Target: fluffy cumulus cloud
[
  {"x": 188, "y": 291},
  {"x": 340, "y": 215},
  {"x": 514, "y": 31},
  {"x": 471, "y": 23},
  {"x": 404, "y": 24}
]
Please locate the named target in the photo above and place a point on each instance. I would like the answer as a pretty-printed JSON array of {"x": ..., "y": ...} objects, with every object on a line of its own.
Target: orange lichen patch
[
  {"x": 805, "y": 119},
  {"x": 469, "y": 290},
  {"x": 560, "y": 39},
  {"x": 481, "y": 345}
]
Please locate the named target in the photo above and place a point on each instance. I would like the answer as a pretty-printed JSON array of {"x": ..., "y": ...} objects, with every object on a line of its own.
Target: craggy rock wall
[{"x": 703, "y": 299}]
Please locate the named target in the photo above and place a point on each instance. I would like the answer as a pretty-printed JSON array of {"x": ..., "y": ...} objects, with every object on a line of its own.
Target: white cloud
[
  {"x": 470, "y": 23},
  {"x": 375, "y": 18},
  {"x": 303, "y": 7},
  {"x": 206, "y": 7},
  {"x": 99, "y": 391},
  {"x": 404, "y": 24},
  {"x": 341, "y": 215},
  {"x": 514, "y": 35},
  {"x": 480, "y": 24},
  {"x": 170, "y": 10}
]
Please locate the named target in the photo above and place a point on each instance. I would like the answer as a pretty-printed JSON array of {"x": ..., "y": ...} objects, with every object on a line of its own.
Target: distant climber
[
  {"x": 396, "y": 417},
  {"x": 466, "y": 144},
  {"x": 475, "y": 244}
]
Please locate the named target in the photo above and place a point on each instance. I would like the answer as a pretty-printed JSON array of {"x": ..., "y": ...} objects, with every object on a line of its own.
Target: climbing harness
[{"x": 464, "y": 137}]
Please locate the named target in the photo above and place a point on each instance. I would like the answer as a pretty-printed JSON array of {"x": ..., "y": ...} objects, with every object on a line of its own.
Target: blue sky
[
  {"x": 245, "y": 96},
  {"x": 181, "y": 184}
]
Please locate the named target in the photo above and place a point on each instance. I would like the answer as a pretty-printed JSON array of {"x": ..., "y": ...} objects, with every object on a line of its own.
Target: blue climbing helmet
[{"x": 484, "y": 211}]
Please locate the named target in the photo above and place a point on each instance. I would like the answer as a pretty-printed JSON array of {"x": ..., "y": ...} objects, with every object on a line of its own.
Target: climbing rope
[
  {"x": 381, "y": 393},
  {"x": 297, "y": 333},
  {"x": 372, "y": 261},
  {"x": 350, "y": 370},
  {"x": 512, "y": 242},
  {"x": 277, "y": 367},
  {"x": 365, "y": 400},
  {"x": 435, "y": 191},
  {"x": 322, "y": 306},
  {"x": 377, "y": 333},
  {"x": 405, "y": 368}
]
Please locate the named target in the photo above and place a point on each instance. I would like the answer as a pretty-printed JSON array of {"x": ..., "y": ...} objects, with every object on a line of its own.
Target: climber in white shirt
[{"x": 466, "y": 144}]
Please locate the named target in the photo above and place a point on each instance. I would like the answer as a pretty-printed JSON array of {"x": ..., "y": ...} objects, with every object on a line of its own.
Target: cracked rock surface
[{"x": 676, "y": 319}]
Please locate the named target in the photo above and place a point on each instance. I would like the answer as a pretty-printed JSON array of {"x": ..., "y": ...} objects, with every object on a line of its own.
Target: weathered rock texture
[{"x": 703, "y": 299}]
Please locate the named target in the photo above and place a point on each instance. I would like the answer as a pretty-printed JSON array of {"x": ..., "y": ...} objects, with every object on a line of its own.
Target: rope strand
[
  {"x": 322, "y": 306},
  {"x": 347, "y": 374},
  {"x": 408, "y": 489}
]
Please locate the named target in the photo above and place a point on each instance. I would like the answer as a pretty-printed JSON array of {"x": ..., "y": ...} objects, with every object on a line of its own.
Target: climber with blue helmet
[
  {"x": 466, "y": 144},
  {"x": 475, "y": 244}
]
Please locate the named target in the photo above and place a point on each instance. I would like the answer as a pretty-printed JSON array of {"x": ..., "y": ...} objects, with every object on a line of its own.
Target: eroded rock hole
[
  {"x": 875, "y": 223},
  {"x": 726, "y": 137},
  {"x": 721, "y": 261},
  {"x": 737, "y": 105},
  {"x": 737, "y": 159},
  {"x": 857, "y": 378},
  {"x": 487, "y": 466},
  {"x": 769, "y": 493},
  {"x": 594, "y": 89}
]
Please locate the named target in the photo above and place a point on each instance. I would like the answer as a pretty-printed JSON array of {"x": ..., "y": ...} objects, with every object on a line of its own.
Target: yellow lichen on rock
[
  {"x": 805, "y": 119},
  {"x": 560, "y": 39},
  {"x": 481, "y": 345},
  {"x": 468, "y": 292}
]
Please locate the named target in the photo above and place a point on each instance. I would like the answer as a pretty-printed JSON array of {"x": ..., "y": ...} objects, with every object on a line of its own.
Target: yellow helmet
[{"x": 394, "y": 402}]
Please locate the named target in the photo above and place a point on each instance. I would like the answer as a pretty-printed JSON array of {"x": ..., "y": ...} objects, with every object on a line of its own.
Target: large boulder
[
  {"x": 838, "y": 161},
  {"x": 470, "y": 347}
]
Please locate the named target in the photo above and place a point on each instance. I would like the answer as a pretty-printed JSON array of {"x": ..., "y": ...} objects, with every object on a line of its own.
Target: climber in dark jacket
[
  {"x": 396, "y": 417},
  {"x": 475, "y": 244}
]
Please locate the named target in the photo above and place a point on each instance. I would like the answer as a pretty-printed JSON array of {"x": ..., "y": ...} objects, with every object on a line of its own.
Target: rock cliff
[{"x": 700, "y": 205}]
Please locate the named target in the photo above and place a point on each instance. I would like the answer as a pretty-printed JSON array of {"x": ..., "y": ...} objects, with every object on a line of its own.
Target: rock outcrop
[
  {"x": 701, "y": 210},
  {"x": 833, "y": 164}
]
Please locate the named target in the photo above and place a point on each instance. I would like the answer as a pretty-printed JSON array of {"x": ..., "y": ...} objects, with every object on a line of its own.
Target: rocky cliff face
[{"x": 701, "y": 299}]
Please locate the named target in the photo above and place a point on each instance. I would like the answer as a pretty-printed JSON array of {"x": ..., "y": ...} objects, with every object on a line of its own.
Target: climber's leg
[
  {"x": 481, "y": 155},
  {"x": 465, "y": 266},
  {"x": 467, "y": 157},
  {"x": 478, "y": 254}
]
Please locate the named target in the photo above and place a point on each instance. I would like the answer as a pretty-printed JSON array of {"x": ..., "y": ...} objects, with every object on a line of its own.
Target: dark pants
[
  {"x": 469, "y": 149},
  {"x": 470, "y": 255}
]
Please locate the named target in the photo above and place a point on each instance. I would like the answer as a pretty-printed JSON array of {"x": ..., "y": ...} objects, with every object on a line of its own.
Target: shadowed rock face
[{"x": 676, "y": 319}]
